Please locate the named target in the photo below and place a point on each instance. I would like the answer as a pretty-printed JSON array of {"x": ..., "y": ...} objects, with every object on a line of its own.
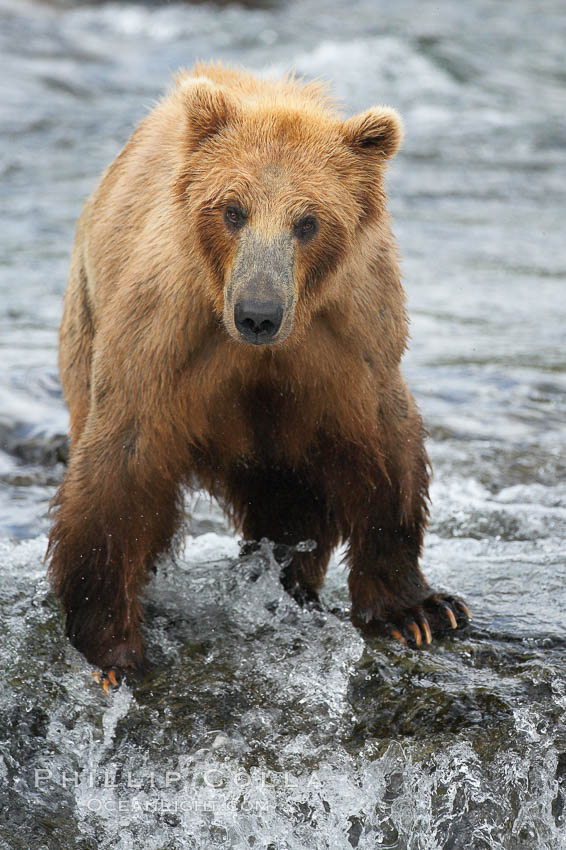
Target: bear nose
[{"x": 258, "y": 321}]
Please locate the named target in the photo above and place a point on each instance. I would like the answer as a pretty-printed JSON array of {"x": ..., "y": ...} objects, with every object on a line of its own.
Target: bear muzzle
[{"x": 259, "y": 301}]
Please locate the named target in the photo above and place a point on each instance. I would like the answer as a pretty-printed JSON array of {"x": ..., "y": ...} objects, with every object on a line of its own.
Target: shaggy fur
[{"x": 315, "y": 436}]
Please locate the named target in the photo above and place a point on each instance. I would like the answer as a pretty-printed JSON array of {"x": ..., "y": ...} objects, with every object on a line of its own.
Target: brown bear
[{"x": 235, "y": 321}]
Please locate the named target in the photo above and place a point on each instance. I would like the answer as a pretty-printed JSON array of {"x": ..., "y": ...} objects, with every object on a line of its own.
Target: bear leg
[
  {"x": 384, "y": 513},
  {"x": 115, "y": 513}
]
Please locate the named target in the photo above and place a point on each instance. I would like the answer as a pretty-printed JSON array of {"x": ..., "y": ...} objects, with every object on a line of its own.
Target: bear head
[{"x": 277, "y": 188}]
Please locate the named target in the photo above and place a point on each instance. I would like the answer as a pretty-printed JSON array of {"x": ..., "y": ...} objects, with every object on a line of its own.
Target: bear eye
[
  {"x": 234, "y": 216},
  {"x": 305, "y": 228}
]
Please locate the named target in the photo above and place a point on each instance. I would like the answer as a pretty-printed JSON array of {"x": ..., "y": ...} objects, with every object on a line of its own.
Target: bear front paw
[{"x": 437, "y": 614}]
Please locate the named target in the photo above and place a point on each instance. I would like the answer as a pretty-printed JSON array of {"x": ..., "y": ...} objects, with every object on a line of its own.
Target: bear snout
[
  {"x": 258, "y": 321},
  {"x": 259, "y": 301}
]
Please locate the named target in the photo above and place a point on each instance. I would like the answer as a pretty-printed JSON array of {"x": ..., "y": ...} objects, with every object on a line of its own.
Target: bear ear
[
  {"x": 208, "y": 107},
  {"x": 378, "y": 129}
]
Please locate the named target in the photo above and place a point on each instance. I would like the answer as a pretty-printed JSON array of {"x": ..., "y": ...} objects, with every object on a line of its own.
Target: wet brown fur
[{"x": 317, "y": 437}]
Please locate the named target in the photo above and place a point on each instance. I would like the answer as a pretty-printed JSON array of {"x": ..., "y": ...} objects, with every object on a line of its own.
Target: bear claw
[
  {"x": 110, "y": 677},
  {"x": 416, "y": 633},
  {"x": 395, "y": 633},
  {"x": 450, "y": 614},
  {"x": 426, "y": 629}
]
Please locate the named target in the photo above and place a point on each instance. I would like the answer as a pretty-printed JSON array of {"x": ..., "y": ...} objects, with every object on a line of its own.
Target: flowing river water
[{"x": 261, "y": 725}]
